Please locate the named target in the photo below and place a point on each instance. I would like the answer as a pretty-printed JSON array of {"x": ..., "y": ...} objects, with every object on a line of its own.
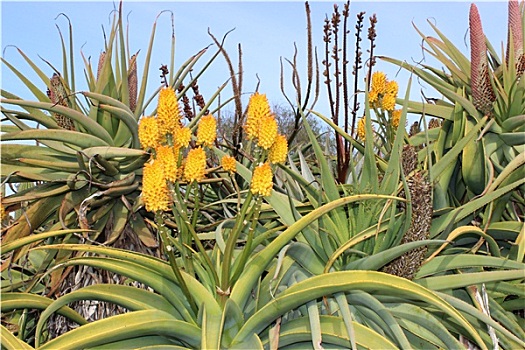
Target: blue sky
[{"x": 266, "y": 30}]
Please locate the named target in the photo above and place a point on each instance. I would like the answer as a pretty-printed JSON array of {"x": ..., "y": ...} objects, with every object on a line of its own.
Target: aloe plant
[
  {"x": 481, "y": 135},
  {"x": 260, "y": 250},
  {"x": 73, "y": 158}
]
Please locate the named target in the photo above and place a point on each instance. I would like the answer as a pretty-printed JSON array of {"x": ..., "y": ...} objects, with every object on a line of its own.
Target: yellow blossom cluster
[
  {"x": 279, "y": 150},
  {"x": 361, "y": 129},
  {"x": 155, "y": 192},
  {"x": 258, "y": 108},
  {"x": 262, "y": 126},
  {"x": 207, "y": 130},
  {"x": 383, "y": 92},
  {"x": 168, "y": 140},
  {"x": 395, "y": 118},
  {"x": 182, "y": 137},
  {"x": 149, "y": 135},
  {"x": 3, "y": 213},
  {"x": 262, "y": 180},
  {"x": 168, "y": 112},
  {"x": 167, "y": 156},
  {"x": 229, "y": 164},
  {"x": 260, "y": 122},
  {"x": 195, "y": 165}
]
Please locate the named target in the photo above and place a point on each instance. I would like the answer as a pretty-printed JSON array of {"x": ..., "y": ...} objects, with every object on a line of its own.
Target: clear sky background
[{"x": 266, "y": 30}]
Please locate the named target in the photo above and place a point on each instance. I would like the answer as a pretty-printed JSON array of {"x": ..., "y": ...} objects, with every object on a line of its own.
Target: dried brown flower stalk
[
  {"x": 188, "y": 111},
  {"x": 420, "y": 191}
]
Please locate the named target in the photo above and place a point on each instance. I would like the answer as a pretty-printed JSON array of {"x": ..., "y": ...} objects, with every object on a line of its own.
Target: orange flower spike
[
  {"x": 262, "y": 180},
  {"x": 258, "y": 107},
  {"x": 267, "y": 131},
  {"x": 207, "y": 131},
  {"x": 195, "y": 165},
  {"x": 168, "y": 112},
  {"x": 229, "y": 164},
  {"x": 149, "y": 132},
  {"x": 279, "y": 150},
  {"x": 155, "y": 193}
]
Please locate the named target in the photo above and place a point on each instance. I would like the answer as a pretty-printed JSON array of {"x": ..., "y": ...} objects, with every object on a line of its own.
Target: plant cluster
[{"x": 193, "y": 239}]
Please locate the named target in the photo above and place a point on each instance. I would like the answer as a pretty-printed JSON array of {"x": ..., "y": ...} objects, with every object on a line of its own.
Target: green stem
[
  {"x": 246, "y": 252},
  {"x": 183, "y": 214},
  {"x": 179, "y": 210},
  {"x": 172, "y": 260},
  {"x": 231, "y": 242}
]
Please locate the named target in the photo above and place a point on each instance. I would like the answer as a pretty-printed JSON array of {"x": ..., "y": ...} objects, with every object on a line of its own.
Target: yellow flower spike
[
  {"x": 392, "y": 88},
  {"x": 155, "y": 193},
  {"x": 168, "y": 112},
  {"x": 207, "y": 130},
  {"x": 389, "y": 102},
  {"x": 262, "y": 180},
  {"x": 195, "y": 165},
  {"x": 229, "y": 164},
  {"x": 267, "y": 131},
  {"x": 3, "y": 213},
  {"x": 279, "y": 150},
  {"x": 149, "y": 132},
  {"x": 168, "y": 158},
  {"x": 258, "y": 107},
  {"x": 396, "y": 117},
  {"x": 361, "y": 129},
  {"x": 379, "y": 83},
  {"x": 373, "y": 98},
  {"x": 182, "y": 137}
]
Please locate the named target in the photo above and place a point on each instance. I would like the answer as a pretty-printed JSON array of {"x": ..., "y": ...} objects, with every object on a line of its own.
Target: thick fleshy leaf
[
  {"x": 11, "y": 342},
  {"x": 131, "y": 298},
  {"x": 76, "y": 138},
  {"x": 126, "y": 326},
  {"x": 94, "y": 129},
  {"x": 15, "y": 300},
  {"x": 318, "y": 286}
]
